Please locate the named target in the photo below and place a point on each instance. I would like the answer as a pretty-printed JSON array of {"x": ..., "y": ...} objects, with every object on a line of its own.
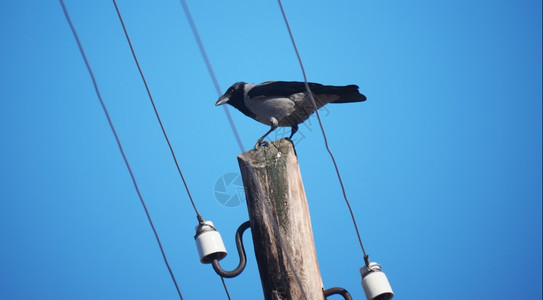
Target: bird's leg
[
  {"x": 274, "y": 124},
  {"x": 293, "y": 130},
  {"x": 265, "y": 134}
]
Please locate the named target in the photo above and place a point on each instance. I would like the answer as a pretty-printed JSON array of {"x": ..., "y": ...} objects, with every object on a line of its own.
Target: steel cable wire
[{"x": 110, "y": 122}]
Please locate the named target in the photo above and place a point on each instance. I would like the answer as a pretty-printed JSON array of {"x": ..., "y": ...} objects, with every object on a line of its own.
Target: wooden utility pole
[{"x": 280, "y": 223}]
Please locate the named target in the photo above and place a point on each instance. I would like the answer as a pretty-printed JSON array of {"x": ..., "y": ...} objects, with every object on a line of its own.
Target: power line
[
  {"x": 208, "y": 64},
  {"x": 323, "y": 133},
  {"x": 80, "y": 46},
  {"x": 200, "y": 219},
  {"x": 210, "y": 70},
  {"x": 225, "y": 288},
  {"x": 209, "y": 67}
]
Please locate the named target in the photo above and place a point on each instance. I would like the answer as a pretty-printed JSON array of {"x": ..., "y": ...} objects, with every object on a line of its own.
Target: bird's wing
[
  {"x": 297, "y": 93},
  {"x": 282, "y": 89},
  {"x": 323, "y": 94}
]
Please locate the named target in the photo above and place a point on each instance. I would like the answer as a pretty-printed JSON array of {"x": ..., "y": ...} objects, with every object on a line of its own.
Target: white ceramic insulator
[
  {"x": 209, "y": 243},
  {"x": 375, "y": 283}
]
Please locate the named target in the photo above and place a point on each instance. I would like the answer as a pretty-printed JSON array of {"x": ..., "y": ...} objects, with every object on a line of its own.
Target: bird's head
[{"x": 234, "y": 93}]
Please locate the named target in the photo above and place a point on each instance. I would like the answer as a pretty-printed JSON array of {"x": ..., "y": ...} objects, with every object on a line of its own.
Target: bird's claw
[{"x": 261, "y": 143}]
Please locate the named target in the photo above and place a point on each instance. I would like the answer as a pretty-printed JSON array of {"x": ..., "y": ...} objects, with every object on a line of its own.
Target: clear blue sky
[{"x": 442, "y": 163}]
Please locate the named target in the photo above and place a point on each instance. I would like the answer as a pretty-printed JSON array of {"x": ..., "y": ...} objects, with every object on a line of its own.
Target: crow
[{"x": 285, "y": 103}]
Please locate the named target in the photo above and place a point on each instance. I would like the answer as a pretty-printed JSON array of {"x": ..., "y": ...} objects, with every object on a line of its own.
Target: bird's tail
[
  {"x": 324, "y": 94},
  {"x": 348, "y": 93}
]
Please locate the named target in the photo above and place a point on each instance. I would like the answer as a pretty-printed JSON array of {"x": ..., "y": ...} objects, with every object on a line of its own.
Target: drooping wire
[
  {"x": 110, "y": 122},
  {"x": 323, "y": 133},
  {"x": 202, "y": 49},
  {"x": 225, "y": 288},
  {"x": 210, "y": 70},
  {"x": 198, "y": 216}
]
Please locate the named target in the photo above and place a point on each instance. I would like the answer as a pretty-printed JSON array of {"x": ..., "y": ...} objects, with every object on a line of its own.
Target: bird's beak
[{"x": 222, "y": 100}]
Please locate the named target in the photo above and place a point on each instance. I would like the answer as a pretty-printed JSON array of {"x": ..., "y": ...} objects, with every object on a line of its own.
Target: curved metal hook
[
  {"x": 338, "y": 291},
  {"x": 241, "y": 253}
]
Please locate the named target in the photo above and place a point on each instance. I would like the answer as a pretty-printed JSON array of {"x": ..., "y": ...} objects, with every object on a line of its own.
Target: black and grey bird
[{"x": 285, "y": 103}]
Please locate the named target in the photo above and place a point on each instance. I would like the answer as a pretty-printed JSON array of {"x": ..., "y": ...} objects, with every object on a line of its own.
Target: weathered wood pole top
[{"x": 280, "y": 223}]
